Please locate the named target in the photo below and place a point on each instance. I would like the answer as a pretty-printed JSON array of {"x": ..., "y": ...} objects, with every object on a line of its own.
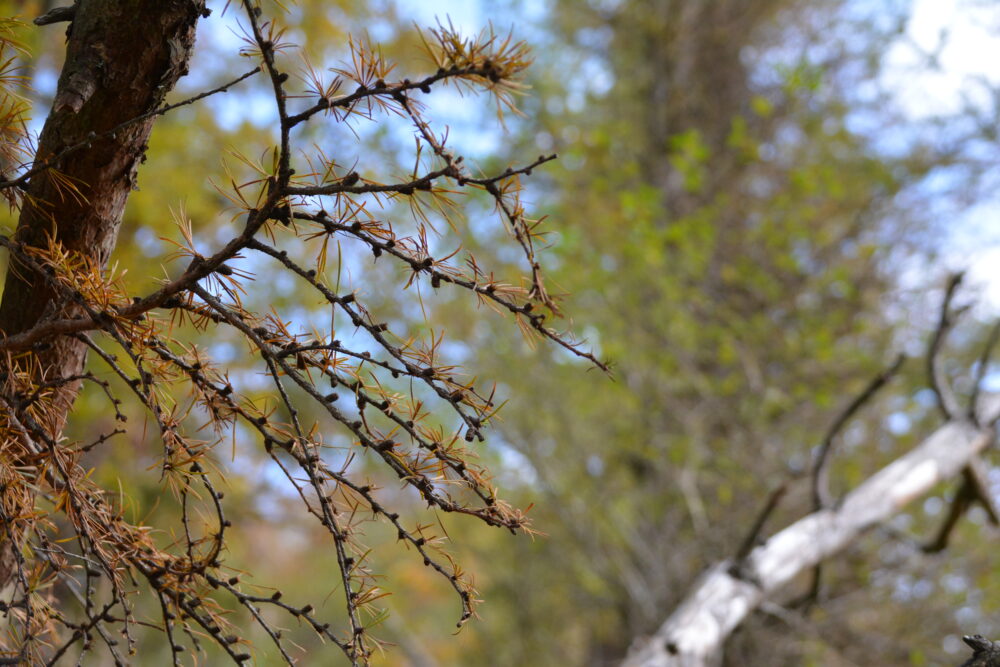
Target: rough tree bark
[
  {"x": 984, "y": 652},
  {"x": 728, "y": 592},
  {"x": 122, "y": 58}
]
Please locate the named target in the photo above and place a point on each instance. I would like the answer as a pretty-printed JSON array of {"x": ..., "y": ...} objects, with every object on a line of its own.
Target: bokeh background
[{"x": 755, "y": 207}]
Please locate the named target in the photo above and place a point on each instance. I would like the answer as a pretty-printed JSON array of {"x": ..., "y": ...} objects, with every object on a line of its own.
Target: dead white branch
[{"x": 725, "y": 595}]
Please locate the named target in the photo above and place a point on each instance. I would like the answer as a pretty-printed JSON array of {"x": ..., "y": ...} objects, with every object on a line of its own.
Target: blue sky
[
  {"x": 966, "y": 36},
  {"x": 962, "y": 37},
  {"x": 959, "y": 36}
]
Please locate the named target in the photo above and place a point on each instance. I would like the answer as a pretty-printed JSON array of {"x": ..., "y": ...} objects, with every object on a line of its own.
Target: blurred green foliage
[{"x": 722, "y": 232}]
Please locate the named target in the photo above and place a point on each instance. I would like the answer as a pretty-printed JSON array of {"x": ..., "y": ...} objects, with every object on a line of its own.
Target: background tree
[
  {"x": 73, "y": 557},
  {"x": 742, "y": 259}
]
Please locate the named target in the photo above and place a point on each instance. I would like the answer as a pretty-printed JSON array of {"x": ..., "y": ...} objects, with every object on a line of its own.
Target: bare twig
[
  {"x": 973, "y": 488},
  {"x": 56, "y": 15},
  {"x": 946, "y": 401},
  {"x": 54, "y": 160},
  {"x": 752, "y": 538},
  {"x": 820, "y": 471},
  {"x": 981, "y": 368}
]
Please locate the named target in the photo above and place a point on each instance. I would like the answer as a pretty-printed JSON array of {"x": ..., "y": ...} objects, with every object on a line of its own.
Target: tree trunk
[{"x": 122, "y": 58}]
